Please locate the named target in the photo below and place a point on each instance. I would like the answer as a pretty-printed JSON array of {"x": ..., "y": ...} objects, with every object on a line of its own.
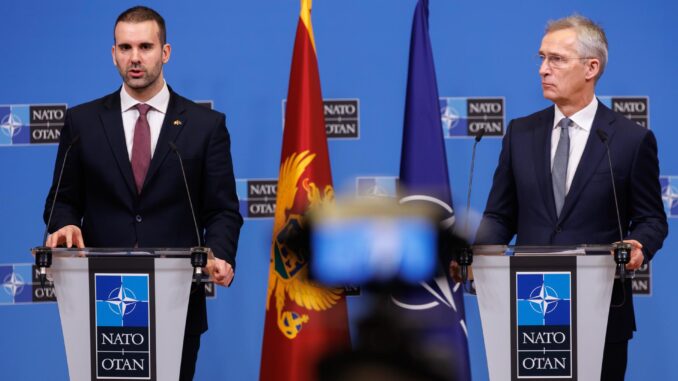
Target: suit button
[
  {"x": 558, "y": 229},
  {"x": 138, "y": 218}
]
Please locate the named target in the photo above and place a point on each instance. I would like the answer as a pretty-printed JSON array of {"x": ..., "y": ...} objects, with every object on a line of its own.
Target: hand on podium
[
  {"x": 455, "y": 271},
  {"x": 220, "y": 270},
  {"x": 637, "y": 256},
  {"x": 69, "y": 235}
]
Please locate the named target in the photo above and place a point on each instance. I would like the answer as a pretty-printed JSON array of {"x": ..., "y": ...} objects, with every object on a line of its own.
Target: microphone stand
[
  {"x": 465, "y": 256},
  {"x": 199, "y": 253},
  {"x": 622, "y": 250},
  {"x": 43, "y": 254}
]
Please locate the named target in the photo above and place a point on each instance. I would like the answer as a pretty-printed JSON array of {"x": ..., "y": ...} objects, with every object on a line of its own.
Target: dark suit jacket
[
  {"x": 521, "y": 200},
  {"x": 98, "y": 192}
]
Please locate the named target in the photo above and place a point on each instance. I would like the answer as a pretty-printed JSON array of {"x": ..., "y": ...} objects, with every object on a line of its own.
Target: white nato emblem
[
  {"x": 10, "y": 125},
  {"x": 543, "y": 299},
  {"x": 122, "y": 301},
  {"x": 13, "y": 284},
  {"x": 450, "y": 117},
  {"x": 446, "y": 294},
  {"x": 670, "y": 196}
]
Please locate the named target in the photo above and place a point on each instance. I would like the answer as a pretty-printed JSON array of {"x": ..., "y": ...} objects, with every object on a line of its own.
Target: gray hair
[{"x": 592, "y": 42}]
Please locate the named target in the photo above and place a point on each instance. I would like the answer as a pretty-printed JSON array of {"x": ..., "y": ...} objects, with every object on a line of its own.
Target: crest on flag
[{"x": 288, "y": 276}]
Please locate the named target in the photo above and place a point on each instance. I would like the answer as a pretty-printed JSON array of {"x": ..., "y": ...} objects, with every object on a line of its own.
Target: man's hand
[
  {"x": 455, "y": 271},
  {"x": 637, "y": 256},
  {"x": 69, "y": 235},
  {"x": 220, "y": 270}
]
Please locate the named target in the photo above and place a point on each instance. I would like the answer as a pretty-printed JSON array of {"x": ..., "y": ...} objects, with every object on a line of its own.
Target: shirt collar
[
  {"x": 582, "y": 118},
  {"x": 159, "y": 102}
]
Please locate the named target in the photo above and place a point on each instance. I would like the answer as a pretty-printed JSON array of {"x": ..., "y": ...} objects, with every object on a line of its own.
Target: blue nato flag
[
  {"x": 424, "y": 178},
  {"x": 423, "y": 164}
]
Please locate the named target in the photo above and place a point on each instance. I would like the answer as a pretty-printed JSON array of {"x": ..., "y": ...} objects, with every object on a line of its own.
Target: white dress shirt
[
  {"x": 155, "y": 116},
  {"x": 579, "y": 134}
]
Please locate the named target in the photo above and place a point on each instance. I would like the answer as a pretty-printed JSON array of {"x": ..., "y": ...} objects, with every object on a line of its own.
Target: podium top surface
[
  {"x": 524, "y": 250},
  {"x": 153, "y": 252}
]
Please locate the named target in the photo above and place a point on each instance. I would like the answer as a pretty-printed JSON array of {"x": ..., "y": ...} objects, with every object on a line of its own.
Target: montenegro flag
[{"x": 304, "y": 320}]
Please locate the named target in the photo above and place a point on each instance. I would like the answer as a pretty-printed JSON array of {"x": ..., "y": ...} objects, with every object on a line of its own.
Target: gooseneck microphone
[
  {"x": 466, "y": 254},
  {"x": 43, "y": 254},
  {"x": 199, "y": 253},
  {"x": 622, "y": 251},
  {"x": 477, "y": 139},
  {"x": 58, "y": 186}
]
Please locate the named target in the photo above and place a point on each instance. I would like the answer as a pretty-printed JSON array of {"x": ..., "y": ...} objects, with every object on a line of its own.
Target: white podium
[
  {"x": 122, "y": 311},
  {"x": 544, "y": 310}
]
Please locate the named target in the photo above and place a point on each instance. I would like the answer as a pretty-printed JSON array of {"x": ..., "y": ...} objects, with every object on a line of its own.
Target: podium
[
  {"x": 122, "y": 311},
  {"x": 544, "y": 310}
]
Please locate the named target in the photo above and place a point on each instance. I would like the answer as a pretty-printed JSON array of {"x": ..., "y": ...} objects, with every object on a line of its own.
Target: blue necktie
[{"x": 559, "y": 171}]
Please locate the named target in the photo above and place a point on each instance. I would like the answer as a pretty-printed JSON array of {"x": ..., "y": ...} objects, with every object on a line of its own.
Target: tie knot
[
  {"x": 143, "y": 108},
  {"x": 565, "y": 123}
]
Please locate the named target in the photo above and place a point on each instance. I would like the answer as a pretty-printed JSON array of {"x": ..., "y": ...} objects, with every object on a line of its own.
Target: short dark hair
[{"x": 140, "y": 14}]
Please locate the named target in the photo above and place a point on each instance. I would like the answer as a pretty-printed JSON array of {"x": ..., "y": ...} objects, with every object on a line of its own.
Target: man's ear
[
  {"x": 592, "y": 68},
  {"x": 166, "y": 51}
]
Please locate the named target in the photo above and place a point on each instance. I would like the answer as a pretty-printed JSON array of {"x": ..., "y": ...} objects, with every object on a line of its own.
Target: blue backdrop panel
[{"x": 238, "y": 53}]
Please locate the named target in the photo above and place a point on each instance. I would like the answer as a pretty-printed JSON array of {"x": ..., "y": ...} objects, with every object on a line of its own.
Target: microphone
[
  {"x": 43, "y": 254},
  {"x": 466, "y": 254},
  {"x": 622, "y": 251},
  {"x": 477, "y": 139},
  {"x": 199, "y": 253}
]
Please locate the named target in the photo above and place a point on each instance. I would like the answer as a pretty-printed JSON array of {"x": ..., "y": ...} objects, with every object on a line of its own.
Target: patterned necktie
[
  {"x": 559, "y": 172},
  {"x": 141, "y": 147}
]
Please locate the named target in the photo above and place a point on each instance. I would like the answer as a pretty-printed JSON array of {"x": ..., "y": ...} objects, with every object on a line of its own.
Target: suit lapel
[
  {"x": 594, "y": 152},
  {"x": 172, "y": 125},
  {"x": 542, "y": 153},
  {"x": 111, "y": 120}
]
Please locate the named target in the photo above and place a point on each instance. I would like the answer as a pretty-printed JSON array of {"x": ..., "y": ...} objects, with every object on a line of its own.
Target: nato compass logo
[
  {"x": 669, "y": 186},
  {"x": 436, "y": 295},
  {"x": 21, "y": 285},
  {"x": 465, "y": 117},
  {"x": 31, "y": 124},
  {"x": 15, "y": 288},
  {"x": 257, "y": 197},
  {"x": 342, "y": 118},
  {"x": 378, "y": 186},
  {"x": 636, "y": 109},
  {"x": 123, "y": 331},
  {"x": 441, "y": 297},
  {"x": 544, "y": 324},
  {"x": 14, "y": 125}
]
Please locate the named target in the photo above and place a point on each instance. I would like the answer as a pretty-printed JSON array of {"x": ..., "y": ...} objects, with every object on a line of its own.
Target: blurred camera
[{"x": 357, "y": 242}]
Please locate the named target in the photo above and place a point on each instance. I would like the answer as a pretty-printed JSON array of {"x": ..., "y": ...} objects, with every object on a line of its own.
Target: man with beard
[{"x": 122, "y": 187}]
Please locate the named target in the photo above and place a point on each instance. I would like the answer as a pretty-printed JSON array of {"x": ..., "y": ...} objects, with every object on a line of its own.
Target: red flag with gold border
[{"x": 304, "y": 320}]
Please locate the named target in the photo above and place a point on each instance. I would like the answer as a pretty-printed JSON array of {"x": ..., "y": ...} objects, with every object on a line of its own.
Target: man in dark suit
[
  {"x": 552, "y": 185},
  {"x": 123, "y": 187}
]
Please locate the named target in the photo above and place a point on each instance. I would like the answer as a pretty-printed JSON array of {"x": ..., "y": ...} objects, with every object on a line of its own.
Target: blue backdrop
[{"x": 238, "y": 53}]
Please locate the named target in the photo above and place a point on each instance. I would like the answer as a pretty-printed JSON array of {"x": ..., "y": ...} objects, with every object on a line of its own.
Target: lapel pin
[{"x": 177, "y": 122}]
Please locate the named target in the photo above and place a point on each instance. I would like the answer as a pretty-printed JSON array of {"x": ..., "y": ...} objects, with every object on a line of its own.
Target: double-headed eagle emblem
[{"x": 288, "y": 274}]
